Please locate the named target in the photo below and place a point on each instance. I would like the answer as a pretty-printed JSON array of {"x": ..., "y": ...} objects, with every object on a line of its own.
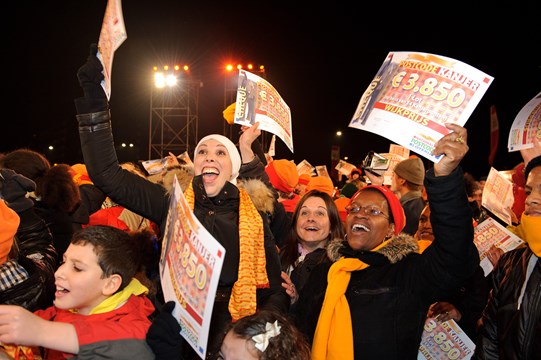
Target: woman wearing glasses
[{"x": 371, "y": 303}]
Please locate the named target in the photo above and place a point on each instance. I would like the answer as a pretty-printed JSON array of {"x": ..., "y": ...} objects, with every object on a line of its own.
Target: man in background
[{"x": 407, "y": 184}]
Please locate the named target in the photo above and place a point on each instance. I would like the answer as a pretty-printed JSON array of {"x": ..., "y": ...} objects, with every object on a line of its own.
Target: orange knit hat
[
  {"x": 80, "y": 174},
  {"x": 229, "y": 113},
  {"x": 341, "y": 204},
  {"x": 321, "y": 183},
  {"x": 283, "y": 175},
  {"x": 9, "y": 223},
  {"x": 304, "y": 179}
]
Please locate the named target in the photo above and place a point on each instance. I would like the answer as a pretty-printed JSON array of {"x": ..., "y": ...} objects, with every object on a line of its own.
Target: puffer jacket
[
  {"x": 389, "y": 300},
  {"x": 512, "y": 328},
  {"x": 37, "y": 255}
]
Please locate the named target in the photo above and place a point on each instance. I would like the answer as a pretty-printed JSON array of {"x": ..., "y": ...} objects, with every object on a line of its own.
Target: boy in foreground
[{"x": 100, "y": 310}]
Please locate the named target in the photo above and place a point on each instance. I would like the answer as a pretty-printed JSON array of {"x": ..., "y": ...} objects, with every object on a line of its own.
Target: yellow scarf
[
  {"x": 423, "y": 244},
  {"x": 252, "y": 264},
  {"x": 530, "y": 231},
  {"x": 114, "y": 301},
  {"x": 333, "y": 339}
]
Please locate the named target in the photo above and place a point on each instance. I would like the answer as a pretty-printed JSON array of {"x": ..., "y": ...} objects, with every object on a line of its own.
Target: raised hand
[
  {"x": 291, "y": 290},
  {"x": 90, "y": 75},
  {"x": 14, "y": 189},
  {"x": 248, "y": 136},
  {"x": 453, "y": 146}
]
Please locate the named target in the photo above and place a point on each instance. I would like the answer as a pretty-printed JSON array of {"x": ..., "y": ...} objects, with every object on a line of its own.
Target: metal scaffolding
[{"x": 174, "y": 119}]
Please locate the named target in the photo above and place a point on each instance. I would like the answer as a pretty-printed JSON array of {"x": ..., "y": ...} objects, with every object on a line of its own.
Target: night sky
[{"x": 319, "y": 57}]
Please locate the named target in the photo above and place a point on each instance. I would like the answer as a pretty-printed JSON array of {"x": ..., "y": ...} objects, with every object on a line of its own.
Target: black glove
[
  {"x": 14, "y": 188},
  {"x": 90, "y": 75},
  {"x": 163, "y": 336}
]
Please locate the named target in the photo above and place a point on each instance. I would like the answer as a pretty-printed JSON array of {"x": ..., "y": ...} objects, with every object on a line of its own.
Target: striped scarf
[
  {"x": 333, "y": 339},
  {"x": 252, "y": 264}
]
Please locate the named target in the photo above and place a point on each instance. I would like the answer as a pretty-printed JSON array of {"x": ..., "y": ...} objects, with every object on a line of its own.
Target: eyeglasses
[{"x": 369, "y": 210}]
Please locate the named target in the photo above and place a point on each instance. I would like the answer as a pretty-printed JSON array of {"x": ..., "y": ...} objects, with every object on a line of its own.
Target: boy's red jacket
[{"x": 117, "y": 334}]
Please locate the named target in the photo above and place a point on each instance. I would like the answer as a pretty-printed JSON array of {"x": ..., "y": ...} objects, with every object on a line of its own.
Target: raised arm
[
  {"x": 21, "y": 327},
  {"x": 452, "y": 258},
  {"x": 454, "y": 147},
  {"x": 95, "y": 132}
]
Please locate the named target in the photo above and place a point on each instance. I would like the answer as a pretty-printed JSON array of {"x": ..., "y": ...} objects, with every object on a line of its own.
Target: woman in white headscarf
[{"x": 250, "y": 276}]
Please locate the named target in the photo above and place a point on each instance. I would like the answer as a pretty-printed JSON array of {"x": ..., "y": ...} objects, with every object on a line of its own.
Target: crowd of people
[{"x": 311, "y": 271}]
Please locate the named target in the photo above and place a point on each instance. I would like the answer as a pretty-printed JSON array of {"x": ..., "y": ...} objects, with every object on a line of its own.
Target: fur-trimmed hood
[
  {"x": 261, "y": 195},
  {"x": 396, "y": 249},
  {"x": 184, "y": 175}
]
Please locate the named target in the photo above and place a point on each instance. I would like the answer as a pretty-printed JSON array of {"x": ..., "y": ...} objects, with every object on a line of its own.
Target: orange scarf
[
  {"x": 423, "y": 244},
  {"x": 530, "y": 231},
  {"x": 252, "y": 264},
  {"x": 333, "y": 339}
]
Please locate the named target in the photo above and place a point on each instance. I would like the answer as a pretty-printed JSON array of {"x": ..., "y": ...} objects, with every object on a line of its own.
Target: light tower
[{"x": 174, "y": 111}]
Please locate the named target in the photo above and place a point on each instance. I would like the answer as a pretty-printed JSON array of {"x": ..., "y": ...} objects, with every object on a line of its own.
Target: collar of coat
[
  {"x": 395, "y": 250},
  {"x": 262, "y": 196}
]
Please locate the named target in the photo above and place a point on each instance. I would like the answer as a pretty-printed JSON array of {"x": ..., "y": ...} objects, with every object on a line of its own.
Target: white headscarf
[{"x": 231, "y": 149}]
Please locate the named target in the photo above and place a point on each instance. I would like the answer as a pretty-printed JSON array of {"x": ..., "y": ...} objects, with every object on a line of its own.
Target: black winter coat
[
  {"x": 389, "y": 300},
  {"x": 301, "y": 273},
  {"x": 510, "y": 332},
  {"x": 38, "y": 256},
  {"x": 278, "y": 218}
]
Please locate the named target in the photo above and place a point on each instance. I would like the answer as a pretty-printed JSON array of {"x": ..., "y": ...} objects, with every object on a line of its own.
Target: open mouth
[
  {"x": 61, "y": 291},
  {"x": 210, "y": 171},
  {"x": 210, "y": 174},
  {"x": 360, "y": 228},
  {"x": 532, "y": 212}
]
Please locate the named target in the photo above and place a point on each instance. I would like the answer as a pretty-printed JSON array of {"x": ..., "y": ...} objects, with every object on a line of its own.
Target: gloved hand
[
  {"x": 90, "y": 75},
  {"x": 14, "y": 188},
  {"x": 163, "y": 336}
]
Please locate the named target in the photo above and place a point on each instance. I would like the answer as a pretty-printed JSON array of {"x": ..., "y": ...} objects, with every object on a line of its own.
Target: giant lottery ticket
[
  {"x": 401, "y": 151},
  {"x": 444, "y": 340},
  {"x": 526, "y": 127},
  {"x": 344, "y": 167},
  {"x": 258, "y": 101},
  {"x": 498, "y": 195},
  {"x": 304, "y": 167},
  {"x": 414, "y": 95},
  {"x": 112, "y": 35},
  {"x": 489, "y": 233},
  {"x": 321, "y": 170},
  {"x": 190, "y": 266}
]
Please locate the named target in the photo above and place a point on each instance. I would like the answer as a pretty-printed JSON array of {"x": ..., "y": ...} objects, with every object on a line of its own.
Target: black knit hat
[{"x": 535, "y": 162}]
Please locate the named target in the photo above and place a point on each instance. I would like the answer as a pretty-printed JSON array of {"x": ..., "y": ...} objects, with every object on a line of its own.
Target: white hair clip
[{"x": 262, "y": 340}]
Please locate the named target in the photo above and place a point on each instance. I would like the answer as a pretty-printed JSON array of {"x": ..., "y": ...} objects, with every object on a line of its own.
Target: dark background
[{"x": 320, "y": 57}]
